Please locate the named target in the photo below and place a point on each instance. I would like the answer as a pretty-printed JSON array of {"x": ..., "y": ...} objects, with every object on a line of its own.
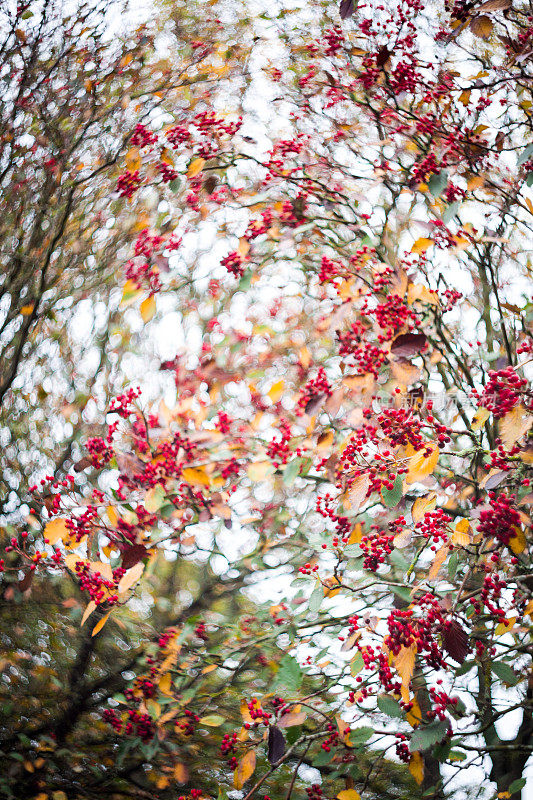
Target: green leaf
[
  {"x": 289, "y": 676},
  {"x": 391, "y": 497},
  {"x": 452, "y": 564},
  {"x": 525, "y": 155},
  {"x": 362, "y": 734},
  {"x": 246, "y": 281},
  {"x": 322, "y": 759},
  {"x": 426, "y": 737},
  {"x": 317, "y": 595},
  {"x": 438, "y": 182},
  {"x": 213, "y": 720},
  {"x": 291, "y": 471},
  {"x": 357, "y": 664},
  {"x": 504, "y": 672},
  {"x": 389, "y": 706},
  {"x": 450, "y": 212},
  {"x": 517, "y": 785}
]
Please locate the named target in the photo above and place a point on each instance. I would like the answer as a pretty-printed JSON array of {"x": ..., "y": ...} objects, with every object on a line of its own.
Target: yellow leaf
[
  {"x": 462, "y": 534},
  {"x": 129, "y": 294},
  {"x": 164, "y": 684},
  {"x": 404, "y": 663},
  {"x": 438, "y": 561},
  {"x": 514, "y": 424},
  {"x": 245, "y": 769},
  {"x": 348, "y": 794},
  {"x": 403, "y": 538},
  {"x": 26, "y": 310},
  {"x": 276, "y": 391},
  {"x": 88, "y": 611},
  {"x": 357, "y": 492},
  {"x": 420, "y": 465},
  {"x": 479, "y": 418},
  {"x": 133, "y": 159},
  {"x": 517, "y": 542},
  {"x": 245, "y": 712},
  {"x": 195, "y": 167},
  {"x": 421, "y": 245},
  {"x": 130, "y": 577},
  {"x": 414, "y": 716},
  {"x": 166, "y": 157},
  {"x": 55, "y": 530},
  {"x": 148, "y": 308},
  {"x": 422, "y": 505},
  {"x": 416, "y": 767},
  {"x": 505, "y": 627},
  {"x": 181, "y": 773},
  {"x": 260, "y": 470},
  {"x": 112, "y": 515},
  {"x": 99, "y": 625},
  {"x": 196, "y": 476},
  {"x": 154, "y": 499},
  {"x": 344, "y": 731},
  {"x": 324, "y": 440},
  {"x": 356, "y": 534}
]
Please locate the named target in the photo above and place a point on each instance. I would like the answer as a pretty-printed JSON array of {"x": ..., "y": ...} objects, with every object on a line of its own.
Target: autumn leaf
[
  {"x": 260, "y": 470},
  {"x": 455, "y": 640},
  {"x": 440, "y": 557},
  {"x": 148, "y": 308},
  {"x": 195, "y": 167},
  {"x": 422, "y": 463},
  {"x": 276, "y": 744},
  {"x": 130, "y": 578},
  {"x": 100, "y": 624},
  {"x": 416, "y": 767},
  {"x": 481, "y": 26},
  {"x": 55, "y": 530},
  {"x": 404, "y": 663},
  {"x": 422, "y": 505},
  {"x": 408, "y": 344},
  {"x": 245, "y": 769},
  {"x": 517, "y": 542},
  {"x": 421, "y": 245},
  {"x": 514, "y": 425},
  {"x": 348, "y": 794},
  {"x": 357, "y": 492}
]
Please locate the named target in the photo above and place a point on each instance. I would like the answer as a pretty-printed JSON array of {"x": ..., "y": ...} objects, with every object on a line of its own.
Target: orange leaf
[
  {"x": 438, "y": 561},
  {"x": 420, "y": 465},
  {"x": 130, "y": 577},
  {"x": 404, "y": 663},
  {"x": 55, "y": 530},
  {"x": 416, "y": 767},
  {"x": 88, "y": 611},
  {"x": 195, "y": 167},
  {"x": 148, "y": 308},
  {"x": 245, "y": 769},
  {"x": 99, "y": 625}
]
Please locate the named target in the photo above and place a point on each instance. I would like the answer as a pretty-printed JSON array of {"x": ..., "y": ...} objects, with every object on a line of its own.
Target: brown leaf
[
  {"x": 291, "y": 719},
  {"x": 383, "y": 56},
  {"x": 455, "y": 640},
  {"x": 481, "y": 26},
  {"x": 409, "y": 344},
  {"x": 276, "y": 744},
  {"x": 347, "y": 8},
  {"x": 132, "y": 555},
  {"x": 129, "y": 464},
  {"x": 494, "y": 5}
]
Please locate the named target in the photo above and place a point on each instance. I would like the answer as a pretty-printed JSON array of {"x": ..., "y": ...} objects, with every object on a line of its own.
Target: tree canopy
[{"x": 266, "y": 407}]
